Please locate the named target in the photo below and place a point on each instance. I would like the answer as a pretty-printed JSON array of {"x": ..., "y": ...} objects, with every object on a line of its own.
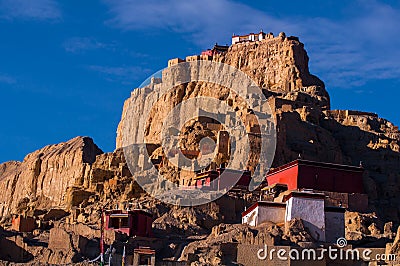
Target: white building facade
[
  {"x": 325, "y": 224},
  {"x": 252, "y": 37}
]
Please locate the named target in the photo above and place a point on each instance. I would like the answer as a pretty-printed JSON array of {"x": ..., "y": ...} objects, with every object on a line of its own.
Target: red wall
[
  {"x": 329, "y": 179},
  {"x": 236, "y": 178},
  {"x": 319, "y": 178},
  {"x": 138, "y": 224},
  {"x": 22, "y": 224},
  {"x": 244, "y": 180},
  {"x": 208, "y": 52},
  {"x": 287, "y": 176},
  {"x": 225, "y": 181}
]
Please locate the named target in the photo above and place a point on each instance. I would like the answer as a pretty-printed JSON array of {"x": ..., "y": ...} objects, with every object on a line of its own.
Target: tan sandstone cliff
[{"x": 77, "y": 174}]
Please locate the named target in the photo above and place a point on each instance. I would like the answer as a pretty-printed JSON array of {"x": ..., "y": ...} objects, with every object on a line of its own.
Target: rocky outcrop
[
  {"x": 219, "y": 247},
  {"x": 77, "y": 178},
  {"x": 305, "y": 125},
  {"x": 278, "y": 65},
  {"x": 42, "y": 179},
  {"x": 366, "y": 139}
]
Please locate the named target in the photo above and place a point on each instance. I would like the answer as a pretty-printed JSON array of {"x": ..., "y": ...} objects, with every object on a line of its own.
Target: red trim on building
[
  {"x": 318, "y": 176},
  {"x": 304, "y": 195},
  {"x": 144, "y": 251},
  {"x": 314, "y": 163},
  {"x": 135, "y": 222},
  {"x": 20, "y": 223},
  {"x": 223, "y": 179},
  {"x": 263, "y": 203}
]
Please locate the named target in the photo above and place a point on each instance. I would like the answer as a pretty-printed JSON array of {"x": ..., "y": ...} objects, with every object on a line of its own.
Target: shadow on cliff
[
  {"x": 333, "y": 142},
  {"x": 10, "y": 251},
  {"x": 381, "y": 166}
]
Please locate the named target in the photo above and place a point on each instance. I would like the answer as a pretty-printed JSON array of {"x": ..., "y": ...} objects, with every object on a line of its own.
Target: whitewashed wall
[{"x": 311, "y": 211}]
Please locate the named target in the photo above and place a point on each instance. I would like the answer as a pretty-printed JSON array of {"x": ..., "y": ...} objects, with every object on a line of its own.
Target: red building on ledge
[
  {"x": 23, "y": 224},
  {"x": 222, "y": 178},
  {"x": 217, "y": 49},
  {"x": 132, "y": 223},
  {"x": 318, "y": 176}
]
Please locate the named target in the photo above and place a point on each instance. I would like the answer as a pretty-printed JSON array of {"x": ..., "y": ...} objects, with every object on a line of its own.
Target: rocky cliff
[
  {"x": 306, "y": 127},
  {"x": 78, "y": 177},
  {"x": 44, "y": 176},
  {"x": 278, "y": 65},
  {"x": 305, "y": 124}
]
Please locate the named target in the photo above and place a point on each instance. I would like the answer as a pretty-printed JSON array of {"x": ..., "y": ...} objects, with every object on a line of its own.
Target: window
[
  {"x": 118, "y": 222},
  {"x": 145, "y": 259},
  {"x": 135, "y": 221}
]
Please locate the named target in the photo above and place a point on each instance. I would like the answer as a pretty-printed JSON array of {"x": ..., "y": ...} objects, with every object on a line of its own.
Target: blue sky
[{"x": 67, "y": 66}]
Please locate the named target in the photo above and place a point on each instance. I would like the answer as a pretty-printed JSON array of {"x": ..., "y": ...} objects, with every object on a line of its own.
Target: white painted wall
[
  {"x": 263, "y": 214},
  {"x": 251, "y": 218},
  {"x": 323, "y": 226},
  {"x": 272, "y": 214},
  {"x": 334, "y": 223},
  {"x": 311, "y": 211}
]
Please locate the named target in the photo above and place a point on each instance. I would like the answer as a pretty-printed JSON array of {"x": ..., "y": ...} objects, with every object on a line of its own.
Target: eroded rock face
[
  {"x": 366, "y": 139},
  {"x": 78, "y": 177},
  {"x": 278, "y": 65},
  {"x": 42, "y": 179},
  {"x": 220, "y": 245},
  {"x": 305, "y": 125}
]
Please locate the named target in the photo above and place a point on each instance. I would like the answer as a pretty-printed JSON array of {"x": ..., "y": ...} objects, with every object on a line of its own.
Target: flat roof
[
  {"x": 264, "y": 203},
  {"x": 300, "y": 162},
  {"x": 144, "y": 251},
  {"x": 119, "y": 215},
  {"x": 304, "y": 195},
  {"x": 217, "y": 172},
  {"x": 115, "y": 213},
  {"x": 274, "y": 186}
]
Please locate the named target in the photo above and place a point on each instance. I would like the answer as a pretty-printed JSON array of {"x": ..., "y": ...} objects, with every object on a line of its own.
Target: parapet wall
[
  {"x": 190, "y": 58},
  {"x": 343, "y": 114},
  {"x": 268, "y": 38}
]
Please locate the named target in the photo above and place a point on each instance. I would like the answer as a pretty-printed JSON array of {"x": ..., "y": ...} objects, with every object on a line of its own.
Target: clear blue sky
[{"x": 67, "y": 66}]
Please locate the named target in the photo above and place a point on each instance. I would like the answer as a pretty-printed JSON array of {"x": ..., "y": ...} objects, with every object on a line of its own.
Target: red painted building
[
  {"x": 132, "y": 223},
  {"x": 217, "y": 49},
  {"x": 318, "y": 176},
  {"x": 23, "y": 224},
  {"x": 222, "y": 178}
]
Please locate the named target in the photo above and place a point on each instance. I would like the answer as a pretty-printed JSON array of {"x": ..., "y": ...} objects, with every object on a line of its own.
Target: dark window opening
[
  {"x": 117, "y": 223},
  {"x": 135, "y": 222},
  {"x": 145, "y": 260}
]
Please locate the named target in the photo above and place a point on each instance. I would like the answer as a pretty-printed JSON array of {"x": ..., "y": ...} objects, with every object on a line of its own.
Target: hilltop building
[
  {"x": 251, "y": 37},
  {"x": 217, "y": 49}
]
